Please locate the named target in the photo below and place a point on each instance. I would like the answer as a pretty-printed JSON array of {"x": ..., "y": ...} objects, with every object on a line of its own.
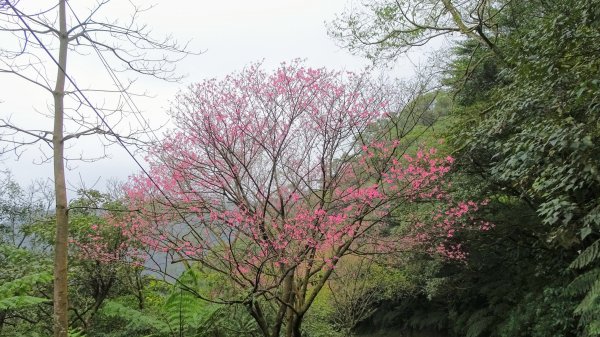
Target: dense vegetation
[
  {"x": 525, "y": 128},
  {"x": 518, "y": 106}
]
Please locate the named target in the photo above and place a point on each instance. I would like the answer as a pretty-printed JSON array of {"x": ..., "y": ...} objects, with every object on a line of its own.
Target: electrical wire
[
  {"x": 102, "y": 119},
  {"x": 125, "y": 94}
]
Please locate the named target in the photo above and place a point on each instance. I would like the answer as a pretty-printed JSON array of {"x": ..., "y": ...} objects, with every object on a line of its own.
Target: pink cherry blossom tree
[{"x": 271, "y": 179}]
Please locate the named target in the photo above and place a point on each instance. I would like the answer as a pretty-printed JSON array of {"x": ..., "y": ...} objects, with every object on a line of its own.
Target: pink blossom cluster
[
  {"x": 444, "y": 223},
  {"x": 104, "y": 243},
  {"x": 271, "y": 172}
]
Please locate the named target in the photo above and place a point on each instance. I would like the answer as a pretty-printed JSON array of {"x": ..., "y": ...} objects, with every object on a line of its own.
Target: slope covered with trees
[
  {"x": 524, "y": 77},
  {"x": 309, "y": 202}
]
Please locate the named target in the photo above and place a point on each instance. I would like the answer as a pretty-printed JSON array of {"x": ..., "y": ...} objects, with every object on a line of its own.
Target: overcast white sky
[{"x": 233, "y": 33}]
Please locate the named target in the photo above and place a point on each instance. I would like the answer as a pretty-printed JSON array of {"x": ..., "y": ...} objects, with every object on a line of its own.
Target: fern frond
[
  {"x": 584, "y": 282},
  {"x": 16, "y": 294},
  {"x": 135, "y": 319},
  {"x": 20, "y": 302},
  {"x": 477, "y": 328},
  {"x": 593, "y": 328},
  {"x": 589, "y": 255},
  {"x": 428, "y": 319},
  {"x": 479, "y": 322},
  {"x": 185, "y": 309},
  {"x": 24, "y": 285},
  {"x": 591, "y": 301}
]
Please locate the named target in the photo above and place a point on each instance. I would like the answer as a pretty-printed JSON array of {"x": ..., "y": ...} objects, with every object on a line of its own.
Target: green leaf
[
  {"x": 20, "y": 302},
  {"x": 586, "y": 257},
  {"x": 585, "y": 231}
]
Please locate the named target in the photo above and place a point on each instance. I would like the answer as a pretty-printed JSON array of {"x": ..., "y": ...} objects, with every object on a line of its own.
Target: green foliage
[
  {"x": 206, "y": 318},
  {"x": 135, "y": 322},
  {"x": 540, "y": 315},
  {"x": 20, "y": 208},
  {"x": 76, "y": 333},
  {"x": 479, "y": 322},
  {"x": 524, "y": 125},
  {"x": 540, "y": 133},
  {"x": 25, "y": 279},
  {"x": 584, "y": 282},
  {"x": 587, "y": 257},
  {"x": 20, "y": 302},
  {"x": 318, "y": 320},
  {"x": 588, "y": 284},
  {"x": 185, "y": 310},
  {"x": 174, "y": 310},
  {"x": 14, "y": 294},
  {"x": 18, "y": 280},
  {"x": 529, "y": 125}
]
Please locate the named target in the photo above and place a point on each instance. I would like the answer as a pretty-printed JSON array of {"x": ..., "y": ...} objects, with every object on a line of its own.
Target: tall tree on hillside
[
  {"x": 41, "y": 37},
  {"x": 272, "y": 178}
]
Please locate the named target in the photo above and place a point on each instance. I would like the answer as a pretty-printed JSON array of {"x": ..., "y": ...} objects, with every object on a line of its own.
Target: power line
[{"x": 127, "y": 97}]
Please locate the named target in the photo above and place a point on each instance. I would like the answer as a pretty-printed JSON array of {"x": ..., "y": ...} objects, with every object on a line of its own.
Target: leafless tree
[
  {"x": 38, "y": 38},
  {"x": 22, "y": 206},
  {"x": 354, "y": 295}
]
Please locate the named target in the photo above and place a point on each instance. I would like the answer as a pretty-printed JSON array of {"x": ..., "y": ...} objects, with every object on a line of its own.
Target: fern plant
[
  {"x": 176, "y": 311},
  {"x": 186, "y": 313},
  {"x": 191, "y": 316},
  {"x": 135, "y": 322},
  {"x": 588, "y": 285},
  {"x": 16, "y": 294},
  {"x": 479, "y": 322}
]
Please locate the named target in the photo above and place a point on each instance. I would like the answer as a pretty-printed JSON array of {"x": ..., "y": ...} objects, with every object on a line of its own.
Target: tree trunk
[
  {"x": 100, "y": 296},
  {"x": 61, "y": 305},
  {"x": 296, "y": 325},
  {"x": 2, "y": 318}
]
